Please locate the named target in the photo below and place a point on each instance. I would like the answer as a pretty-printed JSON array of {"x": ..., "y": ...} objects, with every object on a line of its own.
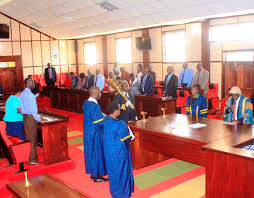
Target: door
[{"x": 11, "y": 74}]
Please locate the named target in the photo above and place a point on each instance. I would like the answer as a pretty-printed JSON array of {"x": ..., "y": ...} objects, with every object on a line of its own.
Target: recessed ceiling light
[
  {"x": 67, "y": 19},
  {"x": 36, "y": 25},
  {"x": 107, "y": 6}
]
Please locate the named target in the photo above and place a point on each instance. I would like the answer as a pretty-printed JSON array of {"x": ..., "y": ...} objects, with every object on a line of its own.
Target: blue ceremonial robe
[
  {"x": 244, "y": 113},
  {"x": 93, "y": 139},
  {"x": 117, "y": 140},
  {"x": 198, "y": 107}
]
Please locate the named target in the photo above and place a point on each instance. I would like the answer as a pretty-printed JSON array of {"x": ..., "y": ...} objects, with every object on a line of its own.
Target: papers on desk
[
  {"x": 181, "y": 125},
  {"x": 197, "y": 125},
  {"x": 229, "y": 123},
  {"x": 46, "y": 119}
]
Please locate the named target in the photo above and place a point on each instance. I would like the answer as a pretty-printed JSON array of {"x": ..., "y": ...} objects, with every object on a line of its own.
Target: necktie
[
  {"x": 143, "y": 83},
  {"x": 198, "y": 77},
  {"x": 183, "y": 76}
]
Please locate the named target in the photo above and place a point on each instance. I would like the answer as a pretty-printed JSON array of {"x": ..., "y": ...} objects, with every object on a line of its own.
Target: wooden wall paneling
[
  {"x": 205, "y": 45},
  {"x": 76, "y": 55},
  {"x": 146, "y": 53},
  {"x": 105, "y": 56}
]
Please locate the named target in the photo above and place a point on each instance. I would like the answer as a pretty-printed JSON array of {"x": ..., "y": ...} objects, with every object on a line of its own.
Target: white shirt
[
  {"x": 236, "y": 107},
  {"x": 138, "y": 77},
  {"x": 100, "y": 81},
  {"x": 91, "y": 99}
]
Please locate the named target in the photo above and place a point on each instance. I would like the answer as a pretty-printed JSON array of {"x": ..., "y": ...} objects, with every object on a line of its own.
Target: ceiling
[{"x": 83, "y": 18}]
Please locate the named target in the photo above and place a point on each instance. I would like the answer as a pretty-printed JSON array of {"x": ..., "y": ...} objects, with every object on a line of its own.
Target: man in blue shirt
[
  {"x": 29, "y": 110},
  {"x": 99, "y": 80},
  {"x": 186, "y": 76}
]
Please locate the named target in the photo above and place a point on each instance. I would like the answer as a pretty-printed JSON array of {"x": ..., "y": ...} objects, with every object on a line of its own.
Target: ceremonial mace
[
  {"x": 164, "y": 114},
  {"x": 27, "y": 183},
  {"x": 113, "y": 83},
  {"x": 144, "y": 116}
]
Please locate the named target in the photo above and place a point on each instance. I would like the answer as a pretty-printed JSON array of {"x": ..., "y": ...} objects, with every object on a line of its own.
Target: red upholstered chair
[
  {"x": 213, "y": 90},
  {"x": 181, "y": 98},
  {"x": 19, "y": 151}
]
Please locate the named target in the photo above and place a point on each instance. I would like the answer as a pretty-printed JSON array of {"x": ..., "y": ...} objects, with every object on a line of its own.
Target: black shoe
[
  {"x": 92, "y": 177},
  {"x": 101, "y": 179}
]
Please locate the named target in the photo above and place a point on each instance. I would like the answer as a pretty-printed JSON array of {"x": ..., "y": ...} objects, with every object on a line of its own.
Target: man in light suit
[
  {"x": 147, "y": 82},
  {"x": 201, "y": 78},
  {"x": 171, "y": 83}
]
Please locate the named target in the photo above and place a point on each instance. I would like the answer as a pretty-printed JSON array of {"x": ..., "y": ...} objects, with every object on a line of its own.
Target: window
[
  {"x": 90, "y": 54},
  {"x": 123, "y": 50},
  {"x": 235, "y": 32},
  {"x": 238, "y": 56},
  {"x": 174, "y": 46}
]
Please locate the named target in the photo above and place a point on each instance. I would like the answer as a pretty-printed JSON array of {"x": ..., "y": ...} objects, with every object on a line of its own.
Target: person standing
[
  {"x": 124, "y": 74},
  {"x": 127, "y": 113},
  {"x": 171, "y": 83},
  {"x": 99, "y": 80},
  {"x": 186, "y": 76},
  {"x": 89, "y": 80},
  {"x": 67, "y": 82},
  {"x": 81, "y": 81},
  {"x": 29, "y": 110},
  {"x": 50, "y": 76},
  {"x": 13, "y": 116},
  {"x": 74, "y": 80},
  {"x": 93, "y": 136},
  {"x": 134, "y": 85},
  {"x": 1, "y": 93},
  {"x": 117, "y": 139},
  {"x": 238, "y": 107},
  {"x": 152, "y": 73},
  {"x": 35, "y": 90},
  {"x": 196, "y": 104},
  {"x": 115, "y": 70},
  {"x": 201, "y": 78},
  {"x": 147, "y": 82}
]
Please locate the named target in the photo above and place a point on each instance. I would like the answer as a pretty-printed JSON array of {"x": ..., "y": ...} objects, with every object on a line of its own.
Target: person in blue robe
[
  {"x": 196, "y": 104},
  {"x": 117, "y": 139},
  {"x": 93, "y": 136},
  {"x": 238, "y": 107}
]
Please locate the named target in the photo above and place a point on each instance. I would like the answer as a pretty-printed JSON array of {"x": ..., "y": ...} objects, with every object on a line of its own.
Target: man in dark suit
[
  {"x": 171, "y": 81},
  {"x": 147, "y": 82},
  {"x": 50, "y": 76},
  {"x": 126, "y": 113},
  {"x": 89, "y": 80}
]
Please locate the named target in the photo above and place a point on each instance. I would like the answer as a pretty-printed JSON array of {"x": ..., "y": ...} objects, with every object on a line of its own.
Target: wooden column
[
  {"x": 105, "y": 56},
  {"x": 76, "y": 56},
  {"x": 146, "y": 53},
  {"x": 205, "y": 46}
]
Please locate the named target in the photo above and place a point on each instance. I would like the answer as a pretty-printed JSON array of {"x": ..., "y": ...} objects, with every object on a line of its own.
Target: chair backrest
[
  {"x": 5, "y": 138},
  {"x": 213, "y": 90}
]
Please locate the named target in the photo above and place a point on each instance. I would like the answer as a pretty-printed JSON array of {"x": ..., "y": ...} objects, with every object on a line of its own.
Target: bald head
[
  {"x": 170, "y": 69},
  {"x": 95, "y": 92},
  {"x": 29, "y": 83}
]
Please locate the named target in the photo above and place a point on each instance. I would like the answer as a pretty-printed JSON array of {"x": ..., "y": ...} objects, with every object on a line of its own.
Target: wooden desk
[
  {"x": 43, "y": 186},
  {"x": 229, "y": 169},
  {"x": 153, "y": 104},
  {"x": 73, "y": 99},
  {"x": 52, "y": 136}
]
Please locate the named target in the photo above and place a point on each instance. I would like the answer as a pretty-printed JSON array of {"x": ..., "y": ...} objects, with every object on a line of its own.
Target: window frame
[
  {"x": 84, "y": 52},
  {"x": 116, "y": 50}
]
